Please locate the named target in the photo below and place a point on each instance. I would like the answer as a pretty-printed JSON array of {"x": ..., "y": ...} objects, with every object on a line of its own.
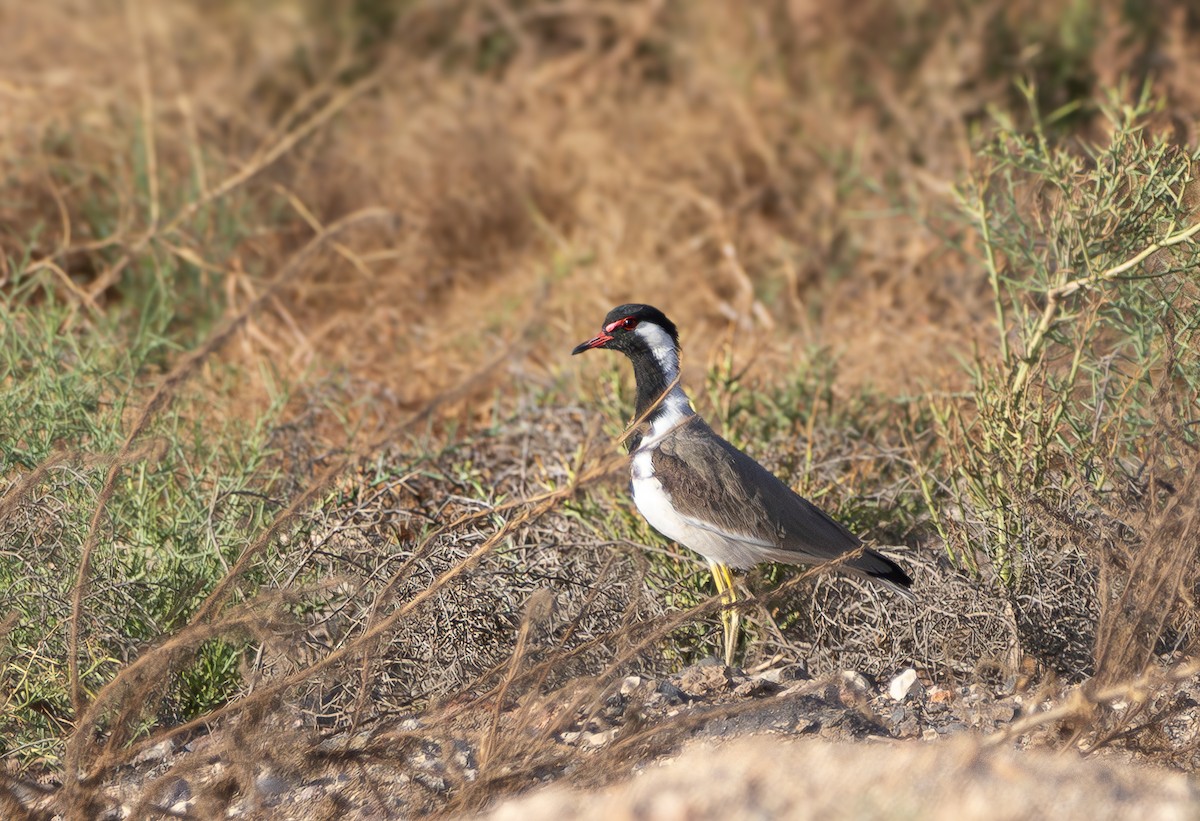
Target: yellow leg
[{"x": 730, "y": 618}]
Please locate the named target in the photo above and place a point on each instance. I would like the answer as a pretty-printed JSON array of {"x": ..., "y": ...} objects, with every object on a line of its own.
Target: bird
[{"x": 699, "y": 490}]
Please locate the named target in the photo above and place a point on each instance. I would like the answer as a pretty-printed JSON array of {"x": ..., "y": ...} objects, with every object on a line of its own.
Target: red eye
[{"x": 627, "y": 324}]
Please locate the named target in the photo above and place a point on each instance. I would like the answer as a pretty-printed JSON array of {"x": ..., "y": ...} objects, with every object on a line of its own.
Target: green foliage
[
  {"x": 1089, "y": 253},
  {"x": 184, "y": 506}
]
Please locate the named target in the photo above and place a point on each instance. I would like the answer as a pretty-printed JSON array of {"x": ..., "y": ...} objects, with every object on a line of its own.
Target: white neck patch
[
  {"x": 675, "y": 406},
  {"x": 661, "y": 346}
]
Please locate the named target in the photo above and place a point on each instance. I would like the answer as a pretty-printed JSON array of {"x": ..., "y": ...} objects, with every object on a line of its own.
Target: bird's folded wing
[{"x": 722, "y": 490}]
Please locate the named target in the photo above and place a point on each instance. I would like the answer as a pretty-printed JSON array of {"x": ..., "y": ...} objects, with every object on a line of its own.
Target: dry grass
[
  {"x": 410, "y": 212},
  {"x": 563, "y": 185}
]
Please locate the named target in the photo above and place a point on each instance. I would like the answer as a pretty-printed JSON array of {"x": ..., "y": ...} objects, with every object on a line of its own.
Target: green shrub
[
  {"x": 1089, "y": 252},
  {"x": 193, "y": 492}
]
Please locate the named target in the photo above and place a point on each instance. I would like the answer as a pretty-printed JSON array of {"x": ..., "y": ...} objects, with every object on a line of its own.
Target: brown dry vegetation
[{"x": 405, "y": 214}]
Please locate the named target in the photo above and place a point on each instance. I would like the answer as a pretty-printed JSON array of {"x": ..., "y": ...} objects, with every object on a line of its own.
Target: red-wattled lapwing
[{"x": 694, "y": 487}]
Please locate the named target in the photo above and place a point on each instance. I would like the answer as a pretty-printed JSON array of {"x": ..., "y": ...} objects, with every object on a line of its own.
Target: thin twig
[
  {"x": 1056, "y": 296},
  {"x": 636, "y": 423}
]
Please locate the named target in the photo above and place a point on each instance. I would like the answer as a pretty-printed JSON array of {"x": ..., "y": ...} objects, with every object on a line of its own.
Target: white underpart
[
  {"x": 654, "y": 503},
  {"x": 651, "y": 499}
]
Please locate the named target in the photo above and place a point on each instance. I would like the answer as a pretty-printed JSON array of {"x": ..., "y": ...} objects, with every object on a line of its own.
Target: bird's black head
[{"x": 620, "y": 331}]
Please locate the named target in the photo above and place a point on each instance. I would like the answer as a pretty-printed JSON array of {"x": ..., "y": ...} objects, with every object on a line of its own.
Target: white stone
[
  {"x": 901, "y": 684},
  {"x": 855, "y": 682}
]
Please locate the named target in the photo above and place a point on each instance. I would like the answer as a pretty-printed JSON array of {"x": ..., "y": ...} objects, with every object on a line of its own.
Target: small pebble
[
  {"x": 937, "y": 695},
  {"x": 155, "y": 754},
  {"x": 600, "y": 739},
  {"x": 631, "y": 684},
  {"x": 754, "y": 687},
  {"x": 672, "y": 693},
  {"x": 779, "y": 675},
  {"x": 177, "y": 794},
  {"x": 705, "y": 680},
  {"x": 853, "y": 689},
  {"x": 902, "y": 684},
  {"x": 1004, "y": 711},
  {"x": 855, "y": 681}
]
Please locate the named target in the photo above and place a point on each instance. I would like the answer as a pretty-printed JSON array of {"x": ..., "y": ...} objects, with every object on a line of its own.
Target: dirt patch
[{"x": 774, "y": 777}]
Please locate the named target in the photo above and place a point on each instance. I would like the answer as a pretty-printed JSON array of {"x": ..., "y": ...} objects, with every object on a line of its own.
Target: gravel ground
[{"x": 459, "y": 760}]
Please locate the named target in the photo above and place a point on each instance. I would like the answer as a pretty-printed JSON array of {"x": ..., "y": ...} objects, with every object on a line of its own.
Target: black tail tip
[
  {"x": 882, "y": 569},
  {"x": 895, "y": 575}
]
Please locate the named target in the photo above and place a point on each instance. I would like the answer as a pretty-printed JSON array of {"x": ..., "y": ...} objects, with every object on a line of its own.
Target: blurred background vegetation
[{"x": 287, "y": 290}]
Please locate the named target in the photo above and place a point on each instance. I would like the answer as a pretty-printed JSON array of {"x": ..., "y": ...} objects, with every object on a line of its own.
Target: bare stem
[{"x": 1056, "y": 296}]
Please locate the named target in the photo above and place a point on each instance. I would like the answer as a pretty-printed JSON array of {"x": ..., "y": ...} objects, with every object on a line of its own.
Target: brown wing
[{"x": 720, "y": 488}]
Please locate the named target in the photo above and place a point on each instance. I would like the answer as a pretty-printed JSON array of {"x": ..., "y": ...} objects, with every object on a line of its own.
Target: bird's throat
[{"x": 661, "y": 400}]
